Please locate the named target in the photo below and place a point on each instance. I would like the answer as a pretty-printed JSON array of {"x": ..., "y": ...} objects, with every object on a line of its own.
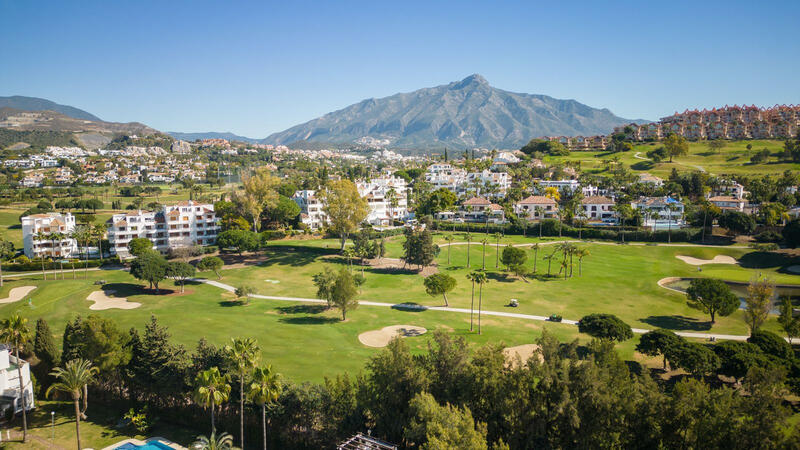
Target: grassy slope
[{"x": 733, "y": 159}]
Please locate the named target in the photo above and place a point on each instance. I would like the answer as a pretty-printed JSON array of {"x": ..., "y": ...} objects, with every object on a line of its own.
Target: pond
[{"x": 740, "y": 289}]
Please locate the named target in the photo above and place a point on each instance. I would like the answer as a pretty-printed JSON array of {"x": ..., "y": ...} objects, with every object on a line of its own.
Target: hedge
[
  {"x": 550, "y": 229},
  {"x": 36, "y": 265}
]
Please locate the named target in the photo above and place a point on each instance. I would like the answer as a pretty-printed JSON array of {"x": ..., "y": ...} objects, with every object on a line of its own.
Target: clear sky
[{"x": 254, "y": 68}]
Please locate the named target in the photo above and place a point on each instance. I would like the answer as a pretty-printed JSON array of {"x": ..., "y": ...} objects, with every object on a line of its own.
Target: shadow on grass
[
  {"x": 232, "y": 303},
  {"x": 301, "y": 309},
  {"x": 409, "y": 307},
  {"x": 129, "y": 289},
  {"x": 676, "y": 322},
  {"x": 764, "y": 260},
  {"x": 501, "y": 277},
  {"x": 643, "y": 165},
  {"x": 309, "y": 320}
]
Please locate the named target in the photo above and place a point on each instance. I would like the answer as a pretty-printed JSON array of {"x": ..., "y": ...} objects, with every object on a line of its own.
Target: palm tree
[
  {"x": 14, "y": 331},
  {"x": 549, "y": 259},
  {"x": 349, "y": 253},
  {"x": 83, "y": 233},
  {"x": 472, "y": 277},
  {"x": 211, "y": 389},
  {"x": 562, "y": 214},
  {"x": 41, "y": 237},
  {"x": 73, "y": 379},
  {"x": 582, "y": 219},
  {"x": 481, "y": 279},
  {"x": 265, "y": 388},
  {"x": 484, "y": 241},
  {"x": 56, "y": 237},
  {"x": 99, "y": 231},
  {"x": 535, "y": 249},
  {"x": 468, "y": 238},
  {"x": 581, "y": 253},
  {"x": 497, "y": 250},
  {"x": 242, "y": 355},
  {"x": 449, "y": 238},
  {"x": 223, "y": 441},
  {"x": 671, "y": 208},
  {"x": 540, "y": 214},
  {"x": 654, "y": 216}
]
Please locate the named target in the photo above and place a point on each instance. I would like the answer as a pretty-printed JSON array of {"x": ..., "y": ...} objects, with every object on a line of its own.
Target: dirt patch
[
  {"x": 399, "y": 264},
  {"x": 521, "y": 353},
  {"x": 381, "y": 338},
  {"x": 16, "y": 294},
  {"x": 719, "y": 259},
  {"x": 105, "y": 300}
]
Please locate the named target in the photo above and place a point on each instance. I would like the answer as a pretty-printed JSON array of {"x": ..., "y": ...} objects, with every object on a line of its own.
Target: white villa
[
  {"x": 184, "y": 224},
  {"x": 10, "y": 397},
  {"x": 660, "y": 212},
  {"x": 476, "y": 209},
  {"x": 598, "y": 208},
  {"x": 48, "y": 224},
  {"x": 311, "y": 212},
  {"x": 461, "y": 182},
  {"x": 527, "y": 208},
  {"x": 387, "y": 197},
  {"x": 728, "y": 203}
]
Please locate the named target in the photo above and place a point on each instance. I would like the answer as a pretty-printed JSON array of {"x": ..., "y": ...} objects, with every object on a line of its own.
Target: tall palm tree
[
  {"x": 41, "y": 237},
  {"x": 549, "y": 259},
  {"x": 14, "y": 331},
  {"x": 449, "y": 238},
  {"x": 472, "y": 276},
  {"x": 73, "y": 379},
  {"x": 56, "y": 237},
  {"x": 671, "y": 208},
  {"x": 484, "y": 241},
  {"x": 582, "y": 219},
  {"x": 535, "y": 249},
  {"x": 83, "y": 233},
  {"x": 242, "y": 356},
  {"x": 468, "y": 238},
  {"x": 99, "y": 232},
  {"x": 211, "y": 389},
  {"x": 497, "y": 250},
  {"x": 222, "y": 441},
  {"x": 581, "y": 253},
  {"x": 481, "y": 279},
  {"x": 654, "y": 216},
  {"x": 540, "y": 214},
  {"x": 265, "y": 388}
]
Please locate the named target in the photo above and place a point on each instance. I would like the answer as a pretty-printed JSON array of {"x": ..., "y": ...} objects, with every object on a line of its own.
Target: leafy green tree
[
  {"x": 284, "y": 211},
  {"x": 138, "y": 246},
  {"x": 151, "y": 267},
  {"x": 180, "y": 272},
  {"x": 737, "y": 358},
  {"x": 344, "y": 207},
  {"x": 244, "y": 292},
  {"x": 758, "y": 302},
  {"x": 259, "y": 192},
  {"x": 676, "y": 146},
  {"x": 419, "y": 248},
  {"x": 156, "y": 368},
  {"x": 694, "y": 358},
  {"x": 439, "y": 284},
  {"x": 6, "y": 251},
  {"x": 437, "y": 201},
  {"x": 14, "y": 331},
  {"x": 435, "y": 426},
  {"x": 325, "y": 281},
  {"x": 264, "y": 389},
  {"x": 241, "y": 240},
  {"x": 658, "y": 154},
  {"x": 344, "y": 292},
  {"x": 737, "y": 222},
  {"x": 242, "y": 357},
  {"x": 73, "y": 379},
  {"x": 212, "y": 263},
  {"x": 791, "y": 233},
  {"x": 211, "y": 389},
  {"x": 789, "y": 323},
  {"x": 605, "y": 326},
  {"x": 45, "y": 349},
  {"x": 514, "y": 259},
  {"x": 658, "y": 342},
  {"x": 772, "y": 344},
  {"x": 551, "y": 148},
  {"x": 713, "y": 297}
]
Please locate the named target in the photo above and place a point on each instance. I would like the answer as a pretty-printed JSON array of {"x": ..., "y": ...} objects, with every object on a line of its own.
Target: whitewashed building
[
  {"x": 387, "y": 197},
  {"x": 536, "y": 207},
  {"x": 598, "y": 208},
  {"x": 10, "y": 395},
  {"x": 184, "y": 224},
  {"x": 461, "y": 182},
  {"x": 660, "y": 212},
  {"x": 48, "y": 224},
  {"x": 312, "y": 213}
]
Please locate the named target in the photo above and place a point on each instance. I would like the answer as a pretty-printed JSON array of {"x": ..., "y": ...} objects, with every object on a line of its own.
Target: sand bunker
[
  {"x": 16, "y": 294},
  {"x": 381, "y": 338},
  {"x": 273, "y": 281},
  {"x": 524, "y": 352},
  {"x": 719, "y": 259},
  {"x": 102, "y": 301}
]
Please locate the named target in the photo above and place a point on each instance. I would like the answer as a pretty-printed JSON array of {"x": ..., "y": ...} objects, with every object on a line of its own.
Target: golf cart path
[
  {"x": 416, "y": 307},
  {"x": 638, "y": 155}
]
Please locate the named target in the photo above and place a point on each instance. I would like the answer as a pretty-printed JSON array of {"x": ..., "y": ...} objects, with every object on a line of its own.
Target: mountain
[
  {"x": 16, "y": 119},
  {"x": 40, "y": 104},
  {"x": 466, "y": 113},
  {"x": 211, "y": 135}
]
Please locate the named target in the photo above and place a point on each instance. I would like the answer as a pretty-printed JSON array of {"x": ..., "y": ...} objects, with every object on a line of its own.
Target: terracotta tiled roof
[
  {"x": 725, "y": 198},
  {"x": 538, "y": 200},
  {"x": 596, "y": 200},
  {"x": 477, "y": 201}
]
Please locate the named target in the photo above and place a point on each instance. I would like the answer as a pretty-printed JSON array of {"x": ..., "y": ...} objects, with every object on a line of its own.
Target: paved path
[
  {"x": 638, "y": 155},
  {"x": 416, "y": 307}
]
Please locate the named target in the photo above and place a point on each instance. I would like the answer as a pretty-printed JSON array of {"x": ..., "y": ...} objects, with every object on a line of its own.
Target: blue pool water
[{"x": 148, "y": 446}]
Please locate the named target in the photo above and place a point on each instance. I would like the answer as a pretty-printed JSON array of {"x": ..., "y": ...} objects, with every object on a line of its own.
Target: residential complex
[
  {"x": 461, "y": 182},
  {"x": 659, "y": 212},
  {"x": 181, "y": 225},
  {"x": 48, "y": 235},
  {"x": 476, "y": 209},
  {"x": 10, "y": 370},
  {"x": 729, "y": 122},
  {"x": 536, "y": 207}
]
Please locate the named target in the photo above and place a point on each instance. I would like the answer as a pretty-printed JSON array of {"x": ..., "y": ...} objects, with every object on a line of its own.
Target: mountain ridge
[
  {"x": 24, "y": 103},
  {"x": 465, "y": 113}
]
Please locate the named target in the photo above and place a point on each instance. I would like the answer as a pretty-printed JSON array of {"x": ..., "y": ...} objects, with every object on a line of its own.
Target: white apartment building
[
  {"x": 571, "y": 185},
  {"x": 48, "y": 224},
  {"x": 10, "y": 395},
  {"x": 728, "y": 202},
  {"x": 461, "y": 182},
  {"x": 387, "y": 197},
  {"x": 184, "y": 224},
  {"x": 536, "y": 207},
  {"x": 312, "y": 214},
  {"x": 598, "y": 208}
]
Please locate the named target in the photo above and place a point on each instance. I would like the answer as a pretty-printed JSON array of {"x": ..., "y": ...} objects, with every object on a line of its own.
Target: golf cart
[{"x": 513, "y": 303}]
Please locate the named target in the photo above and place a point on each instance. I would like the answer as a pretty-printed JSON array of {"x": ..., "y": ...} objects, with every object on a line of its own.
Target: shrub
[
  {"x": 605, "y": 326},
  {"x": 771, "y": 344}
]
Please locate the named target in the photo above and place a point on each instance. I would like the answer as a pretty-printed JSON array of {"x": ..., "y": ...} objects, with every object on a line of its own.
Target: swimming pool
[{"x": 153, "y": 445}]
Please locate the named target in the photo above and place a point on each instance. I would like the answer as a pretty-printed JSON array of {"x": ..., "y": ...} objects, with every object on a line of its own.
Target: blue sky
[{"x": 254, "y": 68}]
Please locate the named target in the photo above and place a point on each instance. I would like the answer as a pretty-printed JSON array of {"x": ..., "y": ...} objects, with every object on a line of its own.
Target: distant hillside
[
  {"x": 52, "y": 121},
  {"x": 39, "y": 104},
  {"x": 210, "y": 135},
  {"x": 462, "y": 114}
]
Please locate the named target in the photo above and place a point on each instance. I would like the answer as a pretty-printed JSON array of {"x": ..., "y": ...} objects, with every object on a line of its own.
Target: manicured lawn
[{"x": 733, "y": 159}]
